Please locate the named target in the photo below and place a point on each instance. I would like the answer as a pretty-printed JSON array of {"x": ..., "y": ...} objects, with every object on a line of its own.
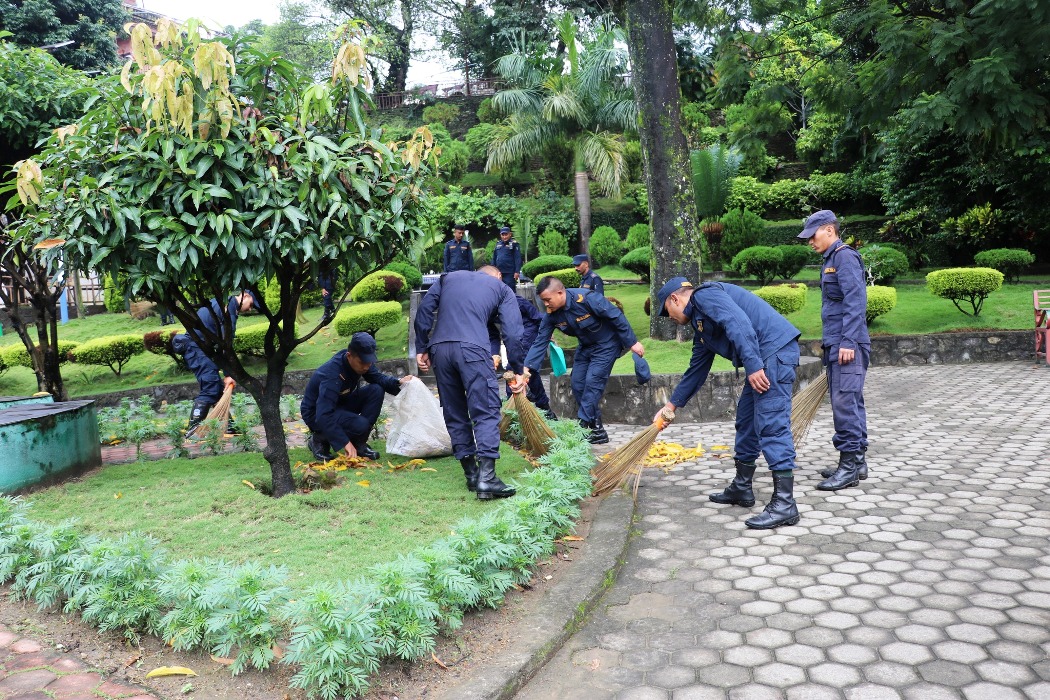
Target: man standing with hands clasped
[
  {"x": 736, "y": 324},
  {"x": 847, "y": 347}
]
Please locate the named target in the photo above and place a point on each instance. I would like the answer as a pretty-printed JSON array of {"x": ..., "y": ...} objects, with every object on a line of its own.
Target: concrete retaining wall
[
  {"x": 945, "y": 348},
  {"x": 47, "y": 442}
]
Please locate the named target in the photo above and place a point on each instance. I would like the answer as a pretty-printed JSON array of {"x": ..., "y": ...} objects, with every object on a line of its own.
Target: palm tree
[
  {"x": 579, "y": 98},
  {"x": 713, "y": 168}
]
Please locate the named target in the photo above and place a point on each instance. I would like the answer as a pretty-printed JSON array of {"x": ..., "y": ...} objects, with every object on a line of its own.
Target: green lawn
[{"x": 201, "y": 507}]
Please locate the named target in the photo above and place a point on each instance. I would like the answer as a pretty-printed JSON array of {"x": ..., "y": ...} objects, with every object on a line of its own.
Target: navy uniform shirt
[
  {"x": 844, "y": 297},
  {"x": 588, "y": 316},
  {"x": 466, "y": 305},
  {"x": 730, "y": 321},
  {"x": 530, "y": 321},
  {"x": 211, "y": 318},
  {"x": 592, "y": 282},
  {"x": 458, "y": 255},
  {"x": 331, "y": 382},
  {"x": 507, "y": 257}
]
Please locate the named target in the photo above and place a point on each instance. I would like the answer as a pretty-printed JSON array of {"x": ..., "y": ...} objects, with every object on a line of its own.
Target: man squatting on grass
[{"x": 738, "y": 325}]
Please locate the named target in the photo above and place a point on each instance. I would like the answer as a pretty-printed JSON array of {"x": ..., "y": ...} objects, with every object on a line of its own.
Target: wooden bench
[{"x": 1041, "y": 306}]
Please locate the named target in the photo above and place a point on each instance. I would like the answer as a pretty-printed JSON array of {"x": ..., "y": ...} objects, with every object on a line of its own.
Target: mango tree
[{"x": 210, "y": 166}]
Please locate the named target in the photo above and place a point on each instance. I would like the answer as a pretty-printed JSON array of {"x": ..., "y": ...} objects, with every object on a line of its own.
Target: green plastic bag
[{"x": 558, "y": 367}]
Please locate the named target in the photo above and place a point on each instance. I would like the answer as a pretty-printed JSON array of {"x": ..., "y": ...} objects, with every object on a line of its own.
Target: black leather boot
[
  {"x": 231, "y": 427},
  {"x": 489, "y": 485},
  {"x": 470, "y": 471},
  {"x": 739, "y": 492},
  {"x": 862, "y": 472},
  {"x": 363, "y": 450},
  {"x": 197, "y": 414},
  {"x": 847, "y": 474},
  {"x": 781, "y": 509},
  {"x": 319, "y": 448},
  {"x": 598, "y": 434}
]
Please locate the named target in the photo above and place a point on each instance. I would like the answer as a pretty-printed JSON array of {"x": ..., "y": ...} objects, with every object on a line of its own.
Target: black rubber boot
[
  {"x": 781, "y": 509},
  {"x": 489, "y": 485},
  {"x": 739, "y": 492},
  {"x": 470, "y": 471},
  {"x": 862, "y": 472},
  {"x": 363, "y": 450},
  {"x": 319, "y": 448},
  {"x": 847, "y": 474},
  {"x": 598, "y": 434},
  {"x": 197, "y": 414},
  {"x": 231, "y": 427}
]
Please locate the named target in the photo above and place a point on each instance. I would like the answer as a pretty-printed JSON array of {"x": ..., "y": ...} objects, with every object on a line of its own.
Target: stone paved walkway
[
  {"x": 931, "y": 580},
  {"x": 30, "y": 671}
]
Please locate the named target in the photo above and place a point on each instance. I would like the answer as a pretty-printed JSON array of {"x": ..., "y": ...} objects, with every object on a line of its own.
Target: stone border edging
[{"x": 568, "y": 604}]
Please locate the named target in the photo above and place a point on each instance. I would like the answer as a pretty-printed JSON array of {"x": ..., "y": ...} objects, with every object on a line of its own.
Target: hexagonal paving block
[
  {"x": 779, "y": 675},
  {"x": 992, "y": 691},
  {"x": 947, "y": 673},
  {"x": 854, "y": 654},
  {"x": 978, "y": 634},
  {"x": 1003, "y": 673},
  {"x": 747, "y": 656},
  {"x": 836, "y": 675},
  {"x": 891, "y": 674},
  {"x": 963, "y": 652},
  {"x": 671, "y": 677},
  {"x": 905, "y": 653}
]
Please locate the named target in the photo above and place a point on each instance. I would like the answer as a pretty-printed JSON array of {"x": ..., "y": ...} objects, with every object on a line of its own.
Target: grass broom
[
  {"x": 538, "y": 435},
  {"x": 219, "y": 412},
  {"x": 619, "y": 465},
  {"x": 804, "y": 407}
]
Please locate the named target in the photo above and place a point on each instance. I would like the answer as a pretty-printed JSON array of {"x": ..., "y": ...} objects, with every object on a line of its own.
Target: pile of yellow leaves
[{"x": 667, "y": 454}]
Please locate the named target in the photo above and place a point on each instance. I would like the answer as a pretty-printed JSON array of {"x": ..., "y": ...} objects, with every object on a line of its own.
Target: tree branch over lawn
[{"x": 209, "y": 167}]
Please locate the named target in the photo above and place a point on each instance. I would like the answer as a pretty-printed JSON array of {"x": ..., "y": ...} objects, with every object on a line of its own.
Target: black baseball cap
[{"x": 364, "y": 346}]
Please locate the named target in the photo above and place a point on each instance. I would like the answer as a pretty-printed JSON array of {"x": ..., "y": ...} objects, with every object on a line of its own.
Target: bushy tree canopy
[{"x": 92, "y": 26}]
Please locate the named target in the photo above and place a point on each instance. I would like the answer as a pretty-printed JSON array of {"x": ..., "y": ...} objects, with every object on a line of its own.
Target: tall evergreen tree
[{"x": 92, "y": 26}]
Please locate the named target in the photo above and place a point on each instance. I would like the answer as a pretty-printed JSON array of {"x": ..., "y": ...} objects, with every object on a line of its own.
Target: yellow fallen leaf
[
  {"x": 428, "y": 469},
  {"x": 171, "y": 671},
  {"x": 359, "y": 473},
  {"x": 248, "y": 484},
  {"x": 719, "y": 447},
  {"x": 572, "y": 538},
  {"x": 118, "y": 494},
  {"x": 364, "y": 483}
]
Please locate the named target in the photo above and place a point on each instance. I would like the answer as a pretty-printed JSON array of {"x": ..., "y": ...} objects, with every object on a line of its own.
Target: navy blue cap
[
  {"x": 504, "y": 229},
  {"x": 255, "y": 301},
  {"x": 815, "y": 221},
  {"x": 672, "y": 286},
  {"x": 364, "y": 346},
  {"x": 459, "y": 227},
  {"x": 581, "y": 258},
  {"x": 641, "y": 369}
]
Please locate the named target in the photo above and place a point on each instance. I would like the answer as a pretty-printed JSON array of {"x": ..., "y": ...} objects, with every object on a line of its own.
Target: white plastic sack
[{"x": 417, "y": 427}]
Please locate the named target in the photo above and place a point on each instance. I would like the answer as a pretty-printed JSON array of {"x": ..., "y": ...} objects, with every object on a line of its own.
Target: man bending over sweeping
[{"x": 738, "y": 325}]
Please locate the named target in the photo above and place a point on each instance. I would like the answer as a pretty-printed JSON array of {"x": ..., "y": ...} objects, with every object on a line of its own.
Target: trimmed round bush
[
  {"x": 605, "y": 246},
  {"x": 758, "y": 261},
  {"x": 881, "y": 300},
  {"x": 410, "y": 272},
  {"x": 1009, "y": 261},
  {"x": 638, "y": 261},
  {"x": 969, "y": 284},
  {"x": 550, "y": 242},
  {"x": 17, "y": 355},
  {"x": 252, "y": 340},
  {"x": 368, "y": 318},
  {"x": 741, "y": 229},
  {"x": 569, "y": 277},
  {"x": 379, "y": 286},
  {"x": 785, "y": 298},
  {"x": 795, "y": 257},
  {"x": 883, "y": 263},
  {"x": 546, "y": 263},
  {"x": 112, "y": 351},
  {"x": 638, "y": 236},
  {"x": 159, "y": 343}
]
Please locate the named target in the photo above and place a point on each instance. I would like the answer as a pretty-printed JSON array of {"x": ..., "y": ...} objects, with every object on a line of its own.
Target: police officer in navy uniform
[
  {"x": 847, "y": 346},
  {"x": 589, "y": 280},
  {"x": 507, "y": 258},
  {"x": 458, "y": 253},
  {"x": 603, "y": 334},
  {"x": 530, "y": 319},
  {"x": 202, "y": 366},
  {"x": 732, "y": 322},
  {"x": 337, "y": 409},
  {"x": 453, "y": 325}
]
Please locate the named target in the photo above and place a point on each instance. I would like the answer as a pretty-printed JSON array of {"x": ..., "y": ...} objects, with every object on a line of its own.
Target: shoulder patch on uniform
[
  {"x": 829, "y": 270},
  {"x": 687, "y": 284},
  {"x": 579, "y": 297}
]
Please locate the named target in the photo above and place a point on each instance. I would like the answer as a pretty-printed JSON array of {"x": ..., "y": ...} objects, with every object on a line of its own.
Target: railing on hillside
[{"x": 436, "y": 91}]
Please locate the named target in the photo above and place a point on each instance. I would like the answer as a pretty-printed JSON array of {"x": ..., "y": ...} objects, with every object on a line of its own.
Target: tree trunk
[
  {"x": 583, "y": 209},
  {"x": 276, "y": 450},
  {"x": 672, "y": 209}
]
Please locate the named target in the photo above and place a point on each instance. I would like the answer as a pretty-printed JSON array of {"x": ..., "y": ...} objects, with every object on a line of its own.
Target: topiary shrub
[
  {"x": 368, "y": 318},
  {"x": 741, "y": 229},
  {"x": 413, "y": 277},
  {"x": 758, "y": 261},
  {"x": 159, "y": 343},
  {"x": 795, "y": 257},
  {"x": 252, "y": 340},
  {"x": 638, "y": 261},
  {"x": 785, "y": 298},
  {"x": 569, "y": 277},
  {"x": 112, "y": 351},
  {"x": 18, "y": 356},
  {"x": 970, "y": 284},
  {"x": 605, "y": 246},
  {"x": 882, "y": 263},
  {"x": 638, "y": 236},
  {"x": 1009, "y": 261},
  {"x": 441, "y": 113},
  {"x": 551, "y": 242},
  {"x": 881, "y": 300},
  {"x": 546, "y": 263},
  {"x": 379, "y": 286}
]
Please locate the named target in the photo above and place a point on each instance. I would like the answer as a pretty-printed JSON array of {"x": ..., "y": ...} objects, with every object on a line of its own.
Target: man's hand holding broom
[
  {"x": 665, "y": 416},
  {"x": 518, "y": 382}
]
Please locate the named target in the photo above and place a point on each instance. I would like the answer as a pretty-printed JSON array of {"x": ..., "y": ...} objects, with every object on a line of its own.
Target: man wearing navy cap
[
  {"x": 847, "y": 347},
  {"x": 458, "y": 253},
  {"x": 604, "y": 335},
  {"x": 453, "y": 325},
  {"x": 203, "y": 367},
  {"x": 506, "y": 258},
  {"x": 337, "y": 410},
  {"x": 588, "y": 279},
  {"x": 732, "y": 322}
]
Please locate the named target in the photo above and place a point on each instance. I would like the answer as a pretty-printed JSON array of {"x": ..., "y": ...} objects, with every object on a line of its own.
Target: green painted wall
[
  {"x": 12, "y": 401},
  {"x": 46, "y": 442}
]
